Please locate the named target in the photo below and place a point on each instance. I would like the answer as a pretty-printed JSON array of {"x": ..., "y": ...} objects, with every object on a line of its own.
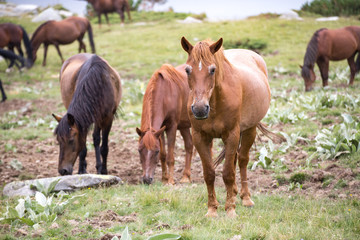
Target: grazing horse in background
[
  {"x": 61, "y": 32},
  {"x": 110, "y": 6},
  {"x": 164, "y": 109},
  {"x": 11, "y": 36},
  {"x": 91, "y": 92},
  {"x": 334, "y": 45},
  {"x": 229, "y": 95}
]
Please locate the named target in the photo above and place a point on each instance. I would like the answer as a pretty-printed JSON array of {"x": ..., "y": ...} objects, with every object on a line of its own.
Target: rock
[
  {"x": 189, "y": 20},
  {"x": 325, "y": 19},
  {"x": 66, "y": 183},
  {"x": 26, "y": 8},
  {"x": 66, "y": 14},
  {"x": 290, "y": 15},
  {"x": 48, "y": 14}
]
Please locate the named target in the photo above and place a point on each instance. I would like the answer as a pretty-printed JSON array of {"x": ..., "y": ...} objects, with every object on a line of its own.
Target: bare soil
[{"x": 39, "y": 159}]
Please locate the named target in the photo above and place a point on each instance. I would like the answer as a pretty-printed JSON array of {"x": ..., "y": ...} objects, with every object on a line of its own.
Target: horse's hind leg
[
  {"x": 45, "y": 53},
  {"x": 58, "y": 50},
  {"x": 96, "y": 140},
  {"x": 105, "y": 147},
  {"x": 352, "y": 66},
  {"x": 165, "y": 175},
  {"x": 2, "y": 92},
  {"x": 323, "y": 65},
  {"x": 185, "y": 133},
  {"x": 82, "y": 161},
  {"x": 247, "y": 140},
  {"x": 81, "y": 44},
  {"x": 171, "y": 138},
  {"x": 122, "y": 16}
]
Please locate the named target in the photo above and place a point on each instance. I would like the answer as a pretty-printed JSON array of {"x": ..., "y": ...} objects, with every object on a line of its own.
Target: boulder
[
  {"x": 48, "y": 14},
  {"x": 325, "y": 19},
  {"x": 66, "y": 183},
  {"x": 290, "y": 15},
  {"x": 190, "y": 20}
]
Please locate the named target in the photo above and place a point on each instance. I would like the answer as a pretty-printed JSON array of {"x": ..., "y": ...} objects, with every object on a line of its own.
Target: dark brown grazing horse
[
  {"x": 334, "y": 45},
  {"x": 11, "y": 36},
  {"x": 164, "y": 108},
  {"x": 110, "y": 6},
  {"x": 229, "y": 95},
  {"x": 91, "y": 92},
  {"x": 61, "y": 32}
]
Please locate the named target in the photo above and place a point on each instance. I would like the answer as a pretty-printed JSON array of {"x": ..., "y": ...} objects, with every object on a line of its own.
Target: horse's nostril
[
  {"x": 207, "y": 108},
  {"x": 63, "y": 172},
  {"x": 192, "y": 108},
  {"x": 147, "y": 180}
]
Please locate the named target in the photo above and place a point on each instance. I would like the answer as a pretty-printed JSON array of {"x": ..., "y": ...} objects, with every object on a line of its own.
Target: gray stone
[
  {"x": 66, "y": 183},
  {"x": 48, "y": 14},
  {"x": 290, "y": 15}
]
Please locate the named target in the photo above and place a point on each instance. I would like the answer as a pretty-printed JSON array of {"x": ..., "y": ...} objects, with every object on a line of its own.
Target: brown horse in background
[
  {"x": 164, "y": 108},
  {"x": 61, "y": 32},
  {"x": 110, "y": 6},
  {"x": 91, "y": 92},
  {"x": 11, "y": 36},
  {"x": 334, "y": 45},
  {"x": 229, "y": 95}
]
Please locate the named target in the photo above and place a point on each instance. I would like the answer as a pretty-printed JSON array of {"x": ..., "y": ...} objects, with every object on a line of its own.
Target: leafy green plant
[
  {"x": 266, "y": 157},
  {"x": 292, "y": 186},
  {"x": 45, "y": 189},
  {"x": 298, "y": 178},
  {"x": 252, "y": 44},
  {"x": 164, "y": 236}
]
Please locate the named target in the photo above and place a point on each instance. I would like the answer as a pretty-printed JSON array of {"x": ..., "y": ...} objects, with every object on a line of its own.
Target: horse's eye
[
  {"x": 71, "y": 141},
  {"x": 188, "y": 70},
  {"x": 212, "y": 70}
]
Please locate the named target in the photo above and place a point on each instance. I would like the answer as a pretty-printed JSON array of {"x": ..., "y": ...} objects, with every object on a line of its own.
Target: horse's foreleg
[
  {"x": 231, "y": 141},
  {"x": 99, "y": 19},
  {"x": 165, "y": 175},
  {"x": 323, "y": 65},
  {"x": 58, "y": 50},
  {"x": 105, "y": 147},
  {"x": 2, "y": 92},
  {"x": 247, "y": 140},
  {"x": 45, "y": 53},
  {"x": 82, "y": 161},
  {"x": 185, "y": 133},
  {"x": 96, "y": 140},
  {"x": 107, "y": 19},
  {"x": 81, "y": 45},
  {"x": 122, "y": 16},
  {"x": 203, "y": 145},
  {"x": 171, "y": 138},
  {"x": 352, "y": 66}
]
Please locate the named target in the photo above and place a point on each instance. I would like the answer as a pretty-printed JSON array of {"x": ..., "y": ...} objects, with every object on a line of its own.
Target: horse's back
[{"x": 251, "y": 74}]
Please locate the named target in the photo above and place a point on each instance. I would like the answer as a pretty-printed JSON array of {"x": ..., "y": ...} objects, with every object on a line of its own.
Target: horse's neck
[{"x": 36, "y": 41}]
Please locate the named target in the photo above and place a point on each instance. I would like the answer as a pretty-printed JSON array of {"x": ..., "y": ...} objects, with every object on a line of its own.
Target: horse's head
[
  {"x": 201, "y": 72},
  {"x": 149, "y": 148},
  {"x": 307, "y": 72},
  {"x": 68, "y": 136}
]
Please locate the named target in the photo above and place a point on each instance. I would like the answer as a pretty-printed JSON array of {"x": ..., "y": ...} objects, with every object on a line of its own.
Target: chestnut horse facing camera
[
  {"x": 11, "y": 36},
  {"x": 164, "y": 109},
  {"x": 229, "y": 95},
  {"x": 91, "y": 93},
  {"x": 110, "y": 6},
  {"x": 334, "y": 45},
  {"x": 61, "y": 32}
]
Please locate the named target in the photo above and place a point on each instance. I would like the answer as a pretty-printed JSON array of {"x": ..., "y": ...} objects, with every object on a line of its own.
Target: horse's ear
[
  {"x": 301, "y": 66},
  {"x": 160, "y": 131},
  {"x": 216, "y": 46},
  {"x": 71, "y": 119},
  {"x": 57, "y": 118},
  {"x": 186, "y": 45},
  {"x": 139, "y": 132}
]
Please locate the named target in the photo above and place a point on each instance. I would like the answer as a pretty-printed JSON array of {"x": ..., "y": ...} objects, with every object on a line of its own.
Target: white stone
[
  {"x": 48, "y": 14},
  {"x": 290, "y": 15},
  {"x": 324, "y": 19},
  {"x": 189, "y": 20}
]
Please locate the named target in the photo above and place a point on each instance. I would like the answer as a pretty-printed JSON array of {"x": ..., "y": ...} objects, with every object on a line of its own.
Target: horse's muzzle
[
  {"x": 200, "y": 112},
  {"x": 65, "y": 171},
  {"x": 147, "y": 180}
]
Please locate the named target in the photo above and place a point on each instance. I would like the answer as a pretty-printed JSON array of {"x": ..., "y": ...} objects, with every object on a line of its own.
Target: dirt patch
[{"x": 40, "y": 158}]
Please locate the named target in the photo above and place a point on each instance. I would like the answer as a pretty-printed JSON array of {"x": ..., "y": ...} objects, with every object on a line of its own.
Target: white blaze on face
[{"x": 200, "y": 66}]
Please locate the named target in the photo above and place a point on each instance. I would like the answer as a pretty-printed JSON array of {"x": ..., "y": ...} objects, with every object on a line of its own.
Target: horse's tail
[
  {"x": 262, "y": 127},
  {"x": 357, "y": 62},
  {"x": 27, "y": 43},
  {"x": 91, "y": 38}
]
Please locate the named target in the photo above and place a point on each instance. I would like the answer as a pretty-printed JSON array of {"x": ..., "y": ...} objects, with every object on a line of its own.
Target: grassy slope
[{"x": 136, "y": 51}]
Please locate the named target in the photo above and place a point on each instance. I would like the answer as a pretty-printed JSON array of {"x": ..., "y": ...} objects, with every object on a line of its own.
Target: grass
[{"x": 136, "y": 51}]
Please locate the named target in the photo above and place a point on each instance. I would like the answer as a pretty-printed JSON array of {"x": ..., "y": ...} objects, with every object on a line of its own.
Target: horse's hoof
[
  {"x": 185, "y": 179},
  {"x": 104, "y": 171},
  {"x": 9, "y": 70},
  {"x": 211, "y": 213},
  {"x": 231, "y": 213},
  {"x": 248, "y": 202}
]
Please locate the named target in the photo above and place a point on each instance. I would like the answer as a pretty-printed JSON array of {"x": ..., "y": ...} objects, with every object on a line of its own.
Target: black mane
[
  {"x": 39, "y": 28},
  {"x": 311, "y": 53},
  {"x": 90, "y": 103}
]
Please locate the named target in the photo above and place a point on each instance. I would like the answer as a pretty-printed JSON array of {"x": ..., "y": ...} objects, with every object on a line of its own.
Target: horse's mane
[
  {"x": 311, "y": 53},
  {"x": 88, "y": 103},
  {"x": 39, "y": 28},
  {"x": 168, "y": 74},
  {"x": 201, "y": 52}
]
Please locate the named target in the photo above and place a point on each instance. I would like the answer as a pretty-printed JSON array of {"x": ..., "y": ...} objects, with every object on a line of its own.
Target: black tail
[
  {"x": 2, "y": 92},
  {"x": 91, "y": 38},
  {"x": 12, "y": 57},
  {"x": 262, "y": 127},
  {"x": 27, "y": 43},
  {"x": 357, "y": 63}
]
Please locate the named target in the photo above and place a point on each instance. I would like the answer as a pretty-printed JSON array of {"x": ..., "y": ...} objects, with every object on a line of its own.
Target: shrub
[
  {"x": 333, "y": 7},
  {"x": 247, "y": 43},
  {"x": 299, "y": 178}
]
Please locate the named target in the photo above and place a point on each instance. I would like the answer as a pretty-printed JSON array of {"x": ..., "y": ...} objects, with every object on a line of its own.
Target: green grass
[{"x": 182, "y": 210}]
